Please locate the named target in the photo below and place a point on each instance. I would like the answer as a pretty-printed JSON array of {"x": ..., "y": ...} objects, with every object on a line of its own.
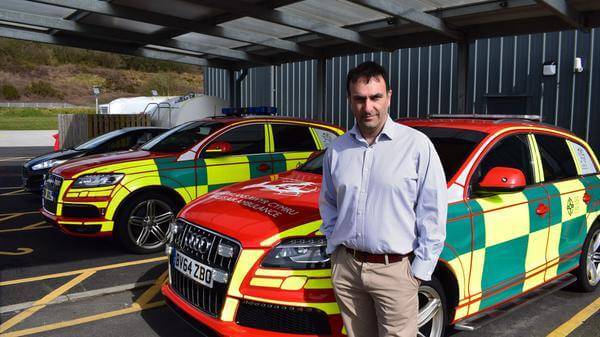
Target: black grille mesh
[
  {"x": 209, "y": 300},
  {"x": 283, "y": 318}
]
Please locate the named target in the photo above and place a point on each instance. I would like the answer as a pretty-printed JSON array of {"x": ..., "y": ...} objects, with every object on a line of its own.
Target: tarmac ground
[{"x": 55, "y": 285}]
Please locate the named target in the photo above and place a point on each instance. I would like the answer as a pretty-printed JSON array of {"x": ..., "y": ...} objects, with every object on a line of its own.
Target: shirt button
[
  {"x": 359, "y": 234},
  {"x": 359, "y": 212}
]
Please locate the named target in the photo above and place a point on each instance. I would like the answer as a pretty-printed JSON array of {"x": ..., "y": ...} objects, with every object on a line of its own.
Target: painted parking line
[
  {"x": 569, "y": 326},
  {"x": 37, "y": 225},
  {"x": 6, "y": 216},
  {"x": 17, "y": 192},
  {"x": 19, "y": 251},
  {"x": 10, "y": 187},
  {"x": 80, "y": 271},
  {"x": 140, "y": 304},
  {"x": 41, "y": 303},
  {"x": 14, "y": 159}
]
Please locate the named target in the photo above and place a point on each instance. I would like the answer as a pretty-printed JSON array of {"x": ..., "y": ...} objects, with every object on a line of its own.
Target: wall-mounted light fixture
[
  {"x": 549, "y": 68},
  {"x": 578, "y": 65}
]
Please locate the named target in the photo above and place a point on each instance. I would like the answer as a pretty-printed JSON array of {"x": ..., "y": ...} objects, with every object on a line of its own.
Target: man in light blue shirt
[{"x": 383, "y": 203}]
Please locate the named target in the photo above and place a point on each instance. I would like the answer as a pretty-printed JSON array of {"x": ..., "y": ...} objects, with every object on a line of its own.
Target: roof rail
[{"x": 481, "y": 116}]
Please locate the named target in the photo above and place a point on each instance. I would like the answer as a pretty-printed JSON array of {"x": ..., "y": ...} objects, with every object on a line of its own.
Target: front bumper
[
  {"x": 32, "y": 180},
  {"x": 77, "y": 227},
  {"x": 212, "y": 326}
]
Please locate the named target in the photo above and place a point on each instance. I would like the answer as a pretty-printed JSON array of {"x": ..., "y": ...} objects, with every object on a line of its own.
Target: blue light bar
[{"x": 253, "y": 110}]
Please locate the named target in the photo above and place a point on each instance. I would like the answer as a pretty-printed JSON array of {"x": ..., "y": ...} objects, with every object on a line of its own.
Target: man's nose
[{"x": 369, "y": 105}]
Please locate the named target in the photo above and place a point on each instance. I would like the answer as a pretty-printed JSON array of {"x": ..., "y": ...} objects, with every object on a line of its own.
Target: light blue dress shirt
[{"x": 390, "y": 197}]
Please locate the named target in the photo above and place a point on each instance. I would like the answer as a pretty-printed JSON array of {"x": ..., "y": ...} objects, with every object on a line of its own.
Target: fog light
[{"x": 102, "y": 211}]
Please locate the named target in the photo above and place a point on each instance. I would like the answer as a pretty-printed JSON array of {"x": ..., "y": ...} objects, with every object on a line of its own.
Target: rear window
[{"x": 557, "y": 161}]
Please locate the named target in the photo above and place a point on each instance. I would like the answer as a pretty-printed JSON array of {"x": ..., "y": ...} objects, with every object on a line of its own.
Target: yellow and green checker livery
[
  {"x": 134, "y": 195},
  {"x": 524, "y": 200}
]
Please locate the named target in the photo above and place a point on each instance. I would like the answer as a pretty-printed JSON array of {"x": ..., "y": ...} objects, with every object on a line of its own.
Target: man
[{"x": 383, "y": 204}]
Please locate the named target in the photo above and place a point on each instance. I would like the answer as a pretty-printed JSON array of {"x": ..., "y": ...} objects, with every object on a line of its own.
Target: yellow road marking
[
  {"x": 152, "y": 291},
  {"x": 75, "y": 272},
  {"x": 17, "y": 213},
  {"x": 14, "y": 158},
  {"x": 20, "y": 251},
  {"x": 41, "y": 303},
  {"x": 17, "y": 192},
  {"x": 83, "y": 320},
  {"x": 12, "y": 216},
  {"x": 37, "y": 225},
  {"x": 10, "y": 187},
  {"x": 566, "y": 328}
]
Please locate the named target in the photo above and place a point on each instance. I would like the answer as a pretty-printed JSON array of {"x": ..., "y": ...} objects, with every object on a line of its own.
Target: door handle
[
  {"x": 542, "y": 209},
  {"x": 586, "y": 197},
  {"x": 264, "y": 167}
]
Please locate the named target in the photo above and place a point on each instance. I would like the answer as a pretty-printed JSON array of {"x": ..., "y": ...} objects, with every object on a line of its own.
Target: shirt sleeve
[
  {"x": 327, "y": 197},
  {"x": 431, "y": 211}
]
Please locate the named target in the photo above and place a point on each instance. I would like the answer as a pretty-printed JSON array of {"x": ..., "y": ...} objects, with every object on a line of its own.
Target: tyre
[
  {"x": 588, "y": 272},
  {"x": 433, "y": 309},
  {"x": 142, "y": 224}
]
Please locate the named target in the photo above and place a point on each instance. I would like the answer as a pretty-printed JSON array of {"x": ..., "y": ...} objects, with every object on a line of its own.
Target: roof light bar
[
  {"x": 480, "y": 116},
  {"x": 253, "y": 110}
]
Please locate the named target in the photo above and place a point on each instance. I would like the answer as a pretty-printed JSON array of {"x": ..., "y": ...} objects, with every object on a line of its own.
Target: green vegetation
[
  {"x": 9, "y": 92},
  {"x": 34, "y": 118},
  {"x": 35, "y": 72}
]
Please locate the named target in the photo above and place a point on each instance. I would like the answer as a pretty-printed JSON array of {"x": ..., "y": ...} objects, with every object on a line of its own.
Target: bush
[
  {"x": 9, "y": 92},
  {"x": 42, "y": 89}
]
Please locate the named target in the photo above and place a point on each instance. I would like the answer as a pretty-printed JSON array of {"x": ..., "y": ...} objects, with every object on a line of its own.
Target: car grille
[
  {"x": 283, "y": 318},
  {"x": 208, "y": 300},
  {"x": 52, "y": 185}
]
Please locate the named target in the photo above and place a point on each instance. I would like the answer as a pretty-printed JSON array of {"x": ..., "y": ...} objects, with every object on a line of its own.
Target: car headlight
[
  {"x": 98, "y": 180},
  {"x": 48, "y": 164},
  {"x": 299, "y": 253}
]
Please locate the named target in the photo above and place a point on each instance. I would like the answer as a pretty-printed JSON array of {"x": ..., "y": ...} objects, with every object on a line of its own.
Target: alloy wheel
[
  {"x": 593, "y": 259},
  {"x": 430, "y": 319},
  {"x": 148, "y": 224}
]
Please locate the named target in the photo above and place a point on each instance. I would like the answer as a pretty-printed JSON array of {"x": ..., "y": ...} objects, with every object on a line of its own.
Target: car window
[
  {"x": 287, "y": 137},
  {"x": 583, "y": 158},
  {"x": 122, "y": 143},
  {"x": 325, "y": 136},
  {"x": 182, "y": 137},
  {"x": 512, "y": 151},
  {"x": 247, "y": 139},
  {"x": 557, "y": 161},
  {"x": 97, "y": 141},
  {"x": 452, "y": 145}
]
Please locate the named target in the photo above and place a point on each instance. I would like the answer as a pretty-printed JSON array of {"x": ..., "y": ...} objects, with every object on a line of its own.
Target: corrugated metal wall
[{"x": 502, "y": 72}]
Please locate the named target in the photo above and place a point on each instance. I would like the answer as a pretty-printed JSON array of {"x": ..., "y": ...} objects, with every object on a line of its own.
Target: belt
[{"x": 376, "y": 258}]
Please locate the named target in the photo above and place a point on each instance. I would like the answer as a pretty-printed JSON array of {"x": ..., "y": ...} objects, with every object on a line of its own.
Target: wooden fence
[{"x": 74, "y": 129}]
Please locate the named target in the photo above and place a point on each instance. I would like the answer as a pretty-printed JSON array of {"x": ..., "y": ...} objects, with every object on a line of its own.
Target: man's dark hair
[{"x": 367, "y": 70}]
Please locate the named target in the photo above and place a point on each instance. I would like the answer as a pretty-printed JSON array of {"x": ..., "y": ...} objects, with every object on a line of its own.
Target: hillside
[{"x": 34, "y": 72}]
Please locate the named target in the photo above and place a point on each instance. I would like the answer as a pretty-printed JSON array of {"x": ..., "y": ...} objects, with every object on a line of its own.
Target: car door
[
  {"x": 246, "y": 157},
  {"x": 292, "y": 145},
  {"x": 567, "y": 206},
  {"x": 510, "y": 229}
]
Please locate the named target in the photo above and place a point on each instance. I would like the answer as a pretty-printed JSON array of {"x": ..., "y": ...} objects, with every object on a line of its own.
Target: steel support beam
[
  {"x": 564, "y": 11},
  {"x": 321, "y": 64},
  {"x": 398, "y": 9},
  {"x": 462, "y": 76},
  {"x": 127, "y": 36},
  {"x": 292, "y": 20},
  {"x": 87, "y": 43},
  {"x": 104, "y": 8}
]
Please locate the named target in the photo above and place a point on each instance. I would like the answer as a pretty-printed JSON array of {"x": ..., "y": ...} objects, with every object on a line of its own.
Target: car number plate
[
  {"x": 48, "y": 194},
  {"x": 197, "y": 271}
]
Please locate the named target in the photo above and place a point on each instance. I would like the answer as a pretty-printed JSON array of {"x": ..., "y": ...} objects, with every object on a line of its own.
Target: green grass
[{"x": 33, "y": 118}]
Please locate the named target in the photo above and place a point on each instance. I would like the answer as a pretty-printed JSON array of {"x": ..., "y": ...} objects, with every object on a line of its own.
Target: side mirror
[
  {"x": 219, "y": 147},
  {"x": 502, "y": 179}
]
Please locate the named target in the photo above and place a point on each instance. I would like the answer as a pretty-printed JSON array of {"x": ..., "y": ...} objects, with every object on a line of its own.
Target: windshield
[
  {"x": 452, "y": 145},
  {"x": 182, "y": 137},
  {"x": 95, "y": 142}
]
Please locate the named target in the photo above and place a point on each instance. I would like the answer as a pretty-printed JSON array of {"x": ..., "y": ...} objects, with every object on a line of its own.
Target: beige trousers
[{"x": 375, "y": 299}]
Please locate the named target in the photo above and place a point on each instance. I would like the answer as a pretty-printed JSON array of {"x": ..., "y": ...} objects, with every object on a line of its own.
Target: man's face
[{"x": 369, "y": 101}]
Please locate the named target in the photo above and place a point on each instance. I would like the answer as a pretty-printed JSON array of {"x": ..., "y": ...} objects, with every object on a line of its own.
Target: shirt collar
[{"x": 389, "y": 130}]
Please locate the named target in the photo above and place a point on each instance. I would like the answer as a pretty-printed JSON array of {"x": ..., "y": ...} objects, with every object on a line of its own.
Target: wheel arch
[
  {"x": 167, "y": 191},
  {"x": 443, "y": 272}
]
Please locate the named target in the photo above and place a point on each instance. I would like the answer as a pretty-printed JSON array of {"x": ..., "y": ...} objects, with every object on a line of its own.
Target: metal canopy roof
[{"x": 241, "y": 34}]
